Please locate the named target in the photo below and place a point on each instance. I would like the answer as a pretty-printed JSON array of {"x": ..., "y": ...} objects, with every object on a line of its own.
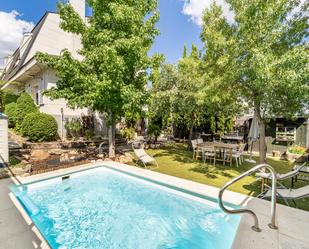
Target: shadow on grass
[
  {"x": 176, "y": 160},
  {"x": 212, "y": 171},
  {"x": 179, "y": 153}
]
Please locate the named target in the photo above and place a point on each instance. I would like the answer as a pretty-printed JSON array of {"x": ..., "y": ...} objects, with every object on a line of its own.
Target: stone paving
[{"x": 16, "y": 231}]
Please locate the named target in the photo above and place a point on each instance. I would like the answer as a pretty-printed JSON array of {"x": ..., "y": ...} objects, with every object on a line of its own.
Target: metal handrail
[{"x": 256, "y": 228}]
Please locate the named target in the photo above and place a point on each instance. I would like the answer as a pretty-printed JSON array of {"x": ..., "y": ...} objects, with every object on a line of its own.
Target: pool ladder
[{"x": 256, "y": 227}]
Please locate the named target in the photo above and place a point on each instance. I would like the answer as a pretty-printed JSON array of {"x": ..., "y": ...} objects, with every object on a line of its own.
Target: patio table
[{"x": 226, "y": 148}]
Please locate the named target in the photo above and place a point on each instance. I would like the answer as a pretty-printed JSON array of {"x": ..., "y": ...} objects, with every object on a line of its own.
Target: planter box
[{"x": 292, "y": 156}]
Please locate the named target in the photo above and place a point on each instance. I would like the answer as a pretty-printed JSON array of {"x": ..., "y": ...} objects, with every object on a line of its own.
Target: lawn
[{"x": 177, "y": 161}]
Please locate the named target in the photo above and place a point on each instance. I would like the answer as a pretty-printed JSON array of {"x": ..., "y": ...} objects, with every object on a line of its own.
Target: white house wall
[
  {"x": 58, "y": 108},
  {"x": 52, "y": 39},
  {"x": 54, "y": 106}
]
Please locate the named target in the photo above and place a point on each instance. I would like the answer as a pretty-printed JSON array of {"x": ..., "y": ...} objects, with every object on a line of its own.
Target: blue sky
[{"x": 179, "y": 23}]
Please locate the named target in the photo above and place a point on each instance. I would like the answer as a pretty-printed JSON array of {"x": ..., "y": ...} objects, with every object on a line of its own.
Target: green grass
[{"x": 177, "y": 161}]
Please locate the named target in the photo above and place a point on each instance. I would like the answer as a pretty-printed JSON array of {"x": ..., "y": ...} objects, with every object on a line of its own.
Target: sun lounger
[
  {"x": 142, "y": 156},
  {"x": 290, "y": 194}
]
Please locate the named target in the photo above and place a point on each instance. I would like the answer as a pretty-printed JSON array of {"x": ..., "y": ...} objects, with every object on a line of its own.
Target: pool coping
[{"x": 292, "y": 222}]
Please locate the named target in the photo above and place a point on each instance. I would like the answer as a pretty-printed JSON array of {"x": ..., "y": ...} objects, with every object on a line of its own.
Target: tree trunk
[
  {"x": 262, "y": 142},
  {"x": 111, "y": 140},
  {"x": 172, "y": 125},
  {"x": 191, "y": 131}
]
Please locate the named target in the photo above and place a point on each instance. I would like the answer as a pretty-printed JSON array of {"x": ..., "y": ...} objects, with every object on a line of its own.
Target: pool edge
[{"x": 244, "y": 238}]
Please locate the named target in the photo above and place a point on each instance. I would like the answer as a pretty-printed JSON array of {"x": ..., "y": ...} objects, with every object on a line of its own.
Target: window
[
  {"x": 37, "y": 101},
  {"x": 35, "y": 94}
]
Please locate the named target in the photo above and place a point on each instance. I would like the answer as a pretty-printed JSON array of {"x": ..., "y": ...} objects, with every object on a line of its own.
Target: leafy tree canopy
[
  {"x": 112, "y": 75},
  {"x": 262, "y": 57}
]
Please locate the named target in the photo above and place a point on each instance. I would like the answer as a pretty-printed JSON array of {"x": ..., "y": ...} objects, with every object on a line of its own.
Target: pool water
[{"x": 104, "y": 208}]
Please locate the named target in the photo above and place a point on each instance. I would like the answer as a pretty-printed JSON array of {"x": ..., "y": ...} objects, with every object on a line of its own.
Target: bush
[
  {"x": 39, "y": 127},
  {"x": 128, "y": 133},
  {"x": 25, "y": 106},
  {"x": 154, "y": 130},
  {"x": 9, "y": 98},
  {"x": 87, "y": 123},
  {"x": 11, "y": 111},
  {"x": 6, "y": 98},
  {"x": 297, "y": 150},
  {"x": 73, "y": 127}
]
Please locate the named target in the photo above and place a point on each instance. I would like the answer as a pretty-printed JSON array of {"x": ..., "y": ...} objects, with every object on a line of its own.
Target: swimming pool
[{"x": 105, "y": 208}]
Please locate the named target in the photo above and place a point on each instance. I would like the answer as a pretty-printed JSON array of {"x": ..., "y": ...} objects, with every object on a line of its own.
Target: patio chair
[
  {"x": 197, "y": 151},
  {"x": 280, "y": 177},
  {"x": 138, "y": 148},
  {"x": 200, "y": 140},
  {"x": 239, "y": 155},
  {"x": 290, "y": 194},
  {"x": 208, "y": 153}
]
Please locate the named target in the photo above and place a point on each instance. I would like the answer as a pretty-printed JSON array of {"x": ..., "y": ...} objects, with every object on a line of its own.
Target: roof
[{"x": 18, "y": 59}]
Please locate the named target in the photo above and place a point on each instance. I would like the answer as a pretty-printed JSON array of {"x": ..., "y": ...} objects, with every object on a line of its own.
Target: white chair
[
  {"x": 238, "y": 154},
  {"x": 208, "y": 153},
  {"x": 199, "y": 141},
  {"x": 196, "y": 150},
  {"x": 142, "y": 156}
]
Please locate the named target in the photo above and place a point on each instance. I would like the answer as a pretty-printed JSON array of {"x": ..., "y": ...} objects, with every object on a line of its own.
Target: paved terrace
[{"x": 18, "y": 231}]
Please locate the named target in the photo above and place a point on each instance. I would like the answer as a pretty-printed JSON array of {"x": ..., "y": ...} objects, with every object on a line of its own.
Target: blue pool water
[{"x": 104, "y": 208}]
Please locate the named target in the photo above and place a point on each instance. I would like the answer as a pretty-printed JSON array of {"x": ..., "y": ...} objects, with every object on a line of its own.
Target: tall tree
[
  {"x": 190, "y": 101},
  {"x": 112, "y": 76},
  {"x": 262, "y": 57},
  {"x": 163, "y": 94},
  {"x": 184, "y": 54}
]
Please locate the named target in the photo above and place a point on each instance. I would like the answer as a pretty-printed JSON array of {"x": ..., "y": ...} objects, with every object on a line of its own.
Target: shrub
[
  {"x": 73, "y": 127},
  {"x": 154, "y": 130},
  {"x": 89, "y": 133},
  {"x": 87, "y": 123},
  {"x": 297, "y": 150},
  {"x": 11, "y": 111},
  {"x": 39, "y": 127},
  {"x": 25, "y": 106},
  {"x": 128, "y": 133},
  {"x": 9, "y": 97}
]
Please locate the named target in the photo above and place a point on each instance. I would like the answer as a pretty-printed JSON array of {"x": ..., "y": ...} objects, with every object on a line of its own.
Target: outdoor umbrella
[{"x": 253, "y": 136}]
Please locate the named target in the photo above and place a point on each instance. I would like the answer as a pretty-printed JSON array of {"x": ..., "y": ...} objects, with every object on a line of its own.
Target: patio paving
[{"x": 17, "y": 232}]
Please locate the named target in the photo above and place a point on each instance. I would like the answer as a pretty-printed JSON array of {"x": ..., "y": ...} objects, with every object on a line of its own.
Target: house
[
  {"x": 281, "y": 133},
  {"x": 22, "y": 71}
]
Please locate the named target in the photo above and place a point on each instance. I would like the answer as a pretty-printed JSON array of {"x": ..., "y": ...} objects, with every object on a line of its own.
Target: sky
[{"x": 180, "y": 24}]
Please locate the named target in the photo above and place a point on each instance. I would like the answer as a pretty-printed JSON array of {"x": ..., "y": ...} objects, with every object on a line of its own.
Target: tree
[
  {"x": 190, "y": 98},
  {"x": 184, "y": 96},
  {"x": 184, "y": 54},
  {"x": 112, "y": 76},
  {"x": 262, "y": 57},
  {"x": 163, "y": 95},
  {"x": 175, "y": 92},
  {"x": 2, "y": 96}
]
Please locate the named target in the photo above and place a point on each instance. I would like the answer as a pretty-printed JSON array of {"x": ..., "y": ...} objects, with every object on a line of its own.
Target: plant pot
[{"x": 292, "y": 156}]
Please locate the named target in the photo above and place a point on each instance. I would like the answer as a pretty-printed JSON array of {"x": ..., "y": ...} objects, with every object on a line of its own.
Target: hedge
[
  {"x": 9, "y": 98},
  {"x": 25, "y": 106},
  {"x": 11, "y": 110},
  {"x": 39, "y": 127}
]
